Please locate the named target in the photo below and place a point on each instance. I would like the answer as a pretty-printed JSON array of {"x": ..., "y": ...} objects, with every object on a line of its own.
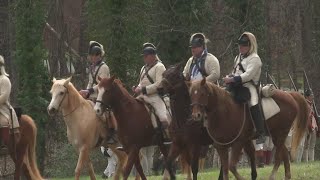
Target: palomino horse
[
  {"x": 135, "y": 129},
  {"x": 230, "y": 124},
  {"x": 85, "y": 130},
  {"x": 24, "y": 156},
  {"x": 188, "y": 135}
]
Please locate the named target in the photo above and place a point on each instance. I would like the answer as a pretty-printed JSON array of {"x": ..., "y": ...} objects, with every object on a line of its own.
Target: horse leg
[
  {"x": 122, "y": 160},
  {"x": 132, "y": 158},
  {"x": 139, "y": 169},
  {"x": 91, "y": 170},
  {"x": 276, "y": 162},
  {"x": 17, "y": 157},
  {"x": 195, "y": 161},
  {"x": 82, "y": 159},
  {"x": 185, "y": 158},
  {"x": 173, "y": 154},
  {"x": 164, "y": 151},
  {"x": 224, "y": 158},
  {"x": 250, "y": 151},
  {"x": 235, "y": 157},
  {"x": 286, "y": 161}
]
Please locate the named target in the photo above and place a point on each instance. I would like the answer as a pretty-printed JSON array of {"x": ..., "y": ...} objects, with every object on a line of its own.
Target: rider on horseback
[
  {"x": 247, "y": 70},
  {"x": 150, "y": 78},
  {"x": 202, "y": 63},
  {"x": 8, "y": 118},
  {"x": 98, "y": 68}
]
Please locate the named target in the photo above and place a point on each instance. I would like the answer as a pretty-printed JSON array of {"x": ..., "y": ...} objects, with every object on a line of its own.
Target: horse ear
[
  {"x": 67, "y": 81},
  {"x": 54, "y": 80},
  {"x": 180, "y": 65},
  {"x": 203, "y": 81}
]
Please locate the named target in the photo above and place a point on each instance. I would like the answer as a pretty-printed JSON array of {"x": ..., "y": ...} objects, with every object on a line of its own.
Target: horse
[
  {"x": 135, "y": 129},
  {"x": 187, "y": 136},
  {"x": 85, "y": 130},
  {"x": 22, "y": 150},
  {"x": 229, "y": 123},
  {"x": 194, "y": 135}
]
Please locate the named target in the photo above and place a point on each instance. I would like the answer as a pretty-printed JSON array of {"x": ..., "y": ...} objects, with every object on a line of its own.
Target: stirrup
[{"x": 166, "y": 142}]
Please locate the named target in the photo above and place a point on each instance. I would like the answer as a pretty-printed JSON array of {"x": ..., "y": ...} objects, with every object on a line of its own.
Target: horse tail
[
  {"x": 30, "y": 157},
  {"x": 300, "y": 123}
]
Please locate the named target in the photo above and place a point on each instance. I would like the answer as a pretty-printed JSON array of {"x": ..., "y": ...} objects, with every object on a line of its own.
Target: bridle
[
  {"x": 64, "y": 96},
  {"x": 202, "y": 106},
  {"x": 106, "y": 107}
]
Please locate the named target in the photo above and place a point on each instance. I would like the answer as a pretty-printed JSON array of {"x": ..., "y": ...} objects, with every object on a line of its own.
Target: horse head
[
  {"x": 199, "y": 94},
  {"x": 171, "y": 78},
  {"x": 104, "y": 94},
  {"x": 59, "y": 91}
]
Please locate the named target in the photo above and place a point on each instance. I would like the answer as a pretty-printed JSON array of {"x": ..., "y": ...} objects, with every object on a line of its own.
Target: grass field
[{"x": 303, "y": 171}]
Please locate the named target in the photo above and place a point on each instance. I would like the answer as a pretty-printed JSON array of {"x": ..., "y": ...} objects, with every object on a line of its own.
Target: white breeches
[
  {"x": 309, "y": 146},
  {"x": 268, "y": 144},
  {"x": 159, "y": 106},
  {"x": 254, "y": 95},
  {"x": 147, "y": 159},
  {"x": 112, "y": 164}
]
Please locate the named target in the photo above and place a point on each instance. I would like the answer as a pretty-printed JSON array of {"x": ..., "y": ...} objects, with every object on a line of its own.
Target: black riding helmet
[
  {"x": 95, "y": 48},
  {"x": 197, "y": 40},
  {"x": 244, "y": 40}
]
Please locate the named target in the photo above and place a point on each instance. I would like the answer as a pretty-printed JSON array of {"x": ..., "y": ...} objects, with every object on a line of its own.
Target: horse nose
[
  {"x": 52, "y": 110},
  {"x": 197, "y": 116},
  {"x": 98, "y": 111}
]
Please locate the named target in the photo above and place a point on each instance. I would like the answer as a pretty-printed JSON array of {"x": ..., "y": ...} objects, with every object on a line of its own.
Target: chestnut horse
[
  {"x": 187, "y": 135},
  {"x": 85, "y": 130},
  {"x": 230, "y": 124},
  {"x": 23, "y": 153},
  {"x": 135, "y": 129}
]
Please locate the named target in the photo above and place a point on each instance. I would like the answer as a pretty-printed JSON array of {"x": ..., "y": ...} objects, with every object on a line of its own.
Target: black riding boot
[
  {"x": 259, "y": 123},
  {"x": 111, "y": 138}
]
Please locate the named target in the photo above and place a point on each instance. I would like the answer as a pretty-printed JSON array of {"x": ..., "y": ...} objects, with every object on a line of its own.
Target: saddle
[{"x": 153, "y": 115}]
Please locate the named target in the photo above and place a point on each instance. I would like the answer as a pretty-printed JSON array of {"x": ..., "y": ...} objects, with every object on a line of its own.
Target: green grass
[{"x": 303, "y": 171}]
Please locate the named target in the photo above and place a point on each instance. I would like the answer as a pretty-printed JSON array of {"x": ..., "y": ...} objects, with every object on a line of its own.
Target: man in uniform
[
  {"x": 150, "y": 78},
  {"x": 310, "y": 140},
  {"x": 246, "y": 72},
  {"x": 98, "y": 68},
  {"x": 201, "y": 64},
  {"x": 8, "y": 118}
]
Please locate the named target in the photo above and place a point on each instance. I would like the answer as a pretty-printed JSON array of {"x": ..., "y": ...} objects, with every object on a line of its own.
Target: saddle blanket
[{"x": 270, "y": 107}]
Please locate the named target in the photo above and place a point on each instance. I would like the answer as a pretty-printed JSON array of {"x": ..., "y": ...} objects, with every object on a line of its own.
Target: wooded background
[{"x": 41, "y": 39}]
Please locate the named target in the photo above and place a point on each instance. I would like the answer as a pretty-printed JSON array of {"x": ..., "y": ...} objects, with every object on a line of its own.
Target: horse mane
[
  {"x": 220, "y": 93},
  {"x": 121, "y": 87},
  {"x": 74, "y": 96}
]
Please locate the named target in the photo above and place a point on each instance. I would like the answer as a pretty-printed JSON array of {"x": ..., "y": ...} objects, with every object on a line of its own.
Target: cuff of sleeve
[
  {"x": 237, "y": 79},
  {"x": 91, "y": 91},
  {"x": 144, "y": 90}
]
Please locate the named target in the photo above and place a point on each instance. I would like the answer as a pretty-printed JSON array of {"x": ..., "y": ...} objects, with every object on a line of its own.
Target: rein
[
  {"x": 67, "y": 92},
  {"x": 238, "y": 135}
]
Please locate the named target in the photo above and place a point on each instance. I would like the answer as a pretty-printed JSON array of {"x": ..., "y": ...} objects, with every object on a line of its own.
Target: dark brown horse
[
  {"x": 187, "y": 135},
  {"x": 135, "y": 128},
  {"x": 23, "y": 152},
  {"x": 229, "y": 124}
]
